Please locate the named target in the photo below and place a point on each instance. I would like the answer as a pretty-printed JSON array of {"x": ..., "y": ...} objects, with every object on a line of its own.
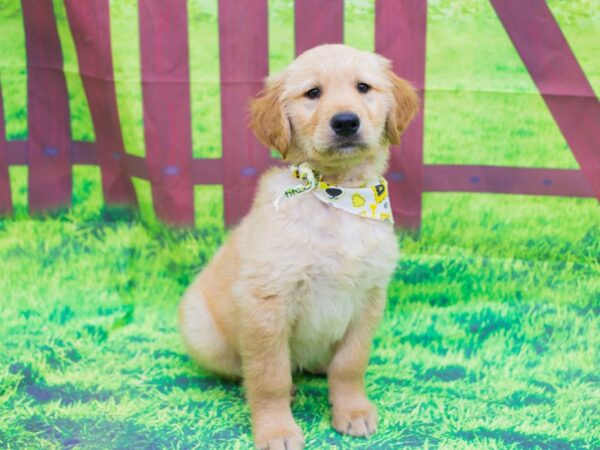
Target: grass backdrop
[{"x": 490, "y": 338}]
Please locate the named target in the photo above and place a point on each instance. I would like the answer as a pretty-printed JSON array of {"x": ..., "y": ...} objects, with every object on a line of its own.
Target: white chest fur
[
  {"x": 355, "y": 255},
  {"x": 327, "y": 261}
]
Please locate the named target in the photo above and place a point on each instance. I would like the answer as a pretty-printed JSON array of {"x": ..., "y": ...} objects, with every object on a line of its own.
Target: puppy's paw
[
  {"x": 280, "y": 438},
  {"x": 355, "y": 419}
]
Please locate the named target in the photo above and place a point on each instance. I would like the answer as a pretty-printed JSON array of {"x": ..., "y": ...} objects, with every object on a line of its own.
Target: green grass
[
  {"x": 491, "y": 333},
  {"x": 489, "y": 339}
]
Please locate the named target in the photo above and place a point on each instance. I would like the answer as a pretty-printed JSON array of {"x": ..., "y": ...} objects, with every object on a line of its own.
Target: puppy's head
[{"x": 333, "y": 105}]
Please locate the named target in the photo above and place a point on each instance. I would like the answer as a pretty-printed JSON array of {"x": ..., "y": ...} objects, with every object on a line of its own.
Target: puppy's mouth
[{"x": 347, "y": 146}]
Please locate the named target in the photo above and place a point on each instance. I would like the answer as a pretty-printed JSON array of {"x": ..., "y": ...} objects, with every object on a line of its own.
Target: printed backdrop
[{"x": 490, "y": 338}]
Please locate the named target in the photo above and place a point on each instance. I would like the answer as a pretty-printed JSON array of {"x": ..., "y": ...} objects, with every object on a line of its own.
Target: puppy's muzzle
[{"x": 345, "y": 124}]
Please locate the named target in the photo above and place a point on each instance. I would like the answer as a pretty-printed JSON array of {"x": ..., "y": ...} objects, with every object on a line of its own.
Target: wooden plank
[
  {"x": 559, "y": 78},
  {"x": 136, "y": 166},
  {"x": 506, "y": 180},
  {"x": 16, "y": 152},
  {"x": 90, "y": 26},
  {"x": 167, "y": 115},
  {"x": 50, "y": 182},
  {"x": 317, "y": 22},
  {"x": 84, "y": 153},
  {"x": 6, "y": 207},
  {"x": 203, "y": 171},
  {"x": 400, "y": 30},
  {"x": 243, "y": 45},
  {"x": 207, "y": 171}
]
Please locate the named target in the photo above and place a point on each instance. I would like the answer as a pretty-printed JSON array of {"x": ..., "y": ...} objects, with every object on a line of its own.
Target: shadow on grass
[
  {"x": 522, "y": 440},
  {"x": 98, "y": 433}
]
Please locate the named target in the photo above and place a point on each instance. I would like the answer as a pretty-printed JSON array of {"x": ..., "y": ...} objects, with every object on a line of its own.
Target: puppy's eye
[
  {"x": 313, "y": 93},
  {"x": 363, "y": 88}
]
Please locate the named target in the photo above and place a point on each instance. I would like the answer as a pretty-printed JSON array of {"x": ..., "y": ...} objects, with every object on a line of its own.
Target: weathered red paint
[
  {"x": 167, "y": 115},
  {"x": 559, "y": 78},
  {"x": 400, "y": 30},
  {"x": 90, "y": 27},
  {"x": 49, "y": 144},
  {"x": 243, "y": 46},
  {"x": 5, "y": 198},
  {"x": 318, "y": 22},
  {"x": 506, "y": 180}
]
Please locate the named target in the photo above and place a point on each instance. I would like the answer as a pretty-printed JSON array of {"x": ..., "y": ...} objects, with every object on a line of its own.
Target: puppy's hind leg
[{"x": 203, "y": 339}]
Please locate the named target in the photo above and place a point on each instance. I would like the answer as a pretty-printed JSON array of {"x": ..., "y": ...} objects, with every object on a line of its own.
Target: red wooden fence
[
  {"x": 48, "y": 148},
  {"x": 400, "y": 30},
  {"x": 243, "y": 46},
  {"x": 90, "y": 27},
  {"x": 169, "y": 166},
  {"x": 318, "y": 22},
  {"x": 559, "y": 78},
  {"x": 5, "y": 200}
]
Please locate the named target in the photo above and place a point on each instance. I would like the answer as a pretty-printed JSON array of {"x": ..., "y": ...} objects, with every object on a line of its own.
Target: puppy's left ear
[
  {"x": 268, "y": 119},
  {"x": 404, "y": 109}
]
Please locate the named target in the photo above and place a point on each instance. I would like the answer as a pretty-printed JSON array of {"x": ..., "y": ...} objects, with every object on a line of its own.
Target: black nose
[{"x": 345, "y": 124}]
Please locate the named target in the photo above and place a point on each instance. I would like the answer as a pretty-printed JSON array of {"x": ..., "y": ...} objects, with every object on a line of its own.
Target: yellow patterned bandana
[{"x": 370, "y": 201}]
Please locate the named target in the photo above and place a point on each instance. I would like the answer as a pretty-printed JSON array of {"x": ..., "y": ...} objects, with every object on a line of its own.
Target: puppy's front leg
[
  {"x": 267, "y": 375},
  {"x": 352, "y": 412}
]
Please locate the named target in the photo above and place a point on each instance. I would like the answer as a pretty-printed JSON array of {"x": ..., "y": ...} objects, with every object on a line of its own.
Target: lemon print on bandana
[
  {"x": 373, "y": 210},
  {"x": 358, "y": 200},
  {"x": 380, "y": 192}
]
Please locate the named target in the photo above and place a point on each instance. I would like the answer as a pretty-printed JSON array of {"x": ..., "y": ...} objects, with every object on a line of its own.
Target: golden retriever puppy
[{"x": 301, "y": 284}]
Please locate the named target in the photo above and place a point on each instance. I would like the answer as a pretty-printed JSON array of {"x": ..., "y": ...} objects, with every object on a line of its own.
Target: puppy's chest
[
  {"x": 342, "y": 259},
  {"x": 331, "y": 292},
  {"x": 336, "y": 248}
]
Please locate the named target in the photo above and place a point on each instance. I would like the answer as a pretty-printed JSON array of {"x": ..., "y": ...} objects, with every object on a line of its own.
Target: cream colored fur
[{"x": 303, "y": 288}]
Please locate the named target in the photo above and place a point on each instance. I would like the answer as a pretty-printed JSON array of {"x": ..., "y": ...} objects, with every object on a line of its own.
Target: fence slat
[
  {"x": 167, "y": 116},
  {"x": 49, "y": 147},
  {"x": 559, "y": 78},
  {"x": 318, "y": 22},
  {"x": 243, "y": 44},
  {"x": 400, "y": 30},
  {"x": 90, "y": 26},
  {"x": 5, "y": 198},
  {"x": 506, "y": 180}
]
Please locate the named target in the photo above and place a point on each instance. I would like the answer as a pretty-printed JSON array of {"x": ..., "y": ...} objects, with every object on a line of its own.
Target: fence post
[
  {"x": 400, "y": 31},
  {"x": 167, "y": 116},
  {"x": 5, "y": 199},
  {"x": 243, "y": 44},
  {"x": 49, "y": 144},
  {"x": 90, "y": 26},
  {"x": 559, "y": 78},
  {"x": 318, "y": 22}
]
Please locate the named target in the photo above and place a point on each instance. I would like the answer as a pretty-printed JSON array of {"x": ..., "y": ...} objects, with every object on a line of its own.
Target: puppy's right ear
[
  {"x": 268, "y": 119},
  {"x": 404, "y": 109}
]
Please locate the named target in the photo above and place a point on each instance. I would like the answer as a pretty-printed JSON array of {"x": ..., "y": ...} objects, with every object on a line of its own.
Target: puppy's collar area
[{"x": 370, "y": 201}]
